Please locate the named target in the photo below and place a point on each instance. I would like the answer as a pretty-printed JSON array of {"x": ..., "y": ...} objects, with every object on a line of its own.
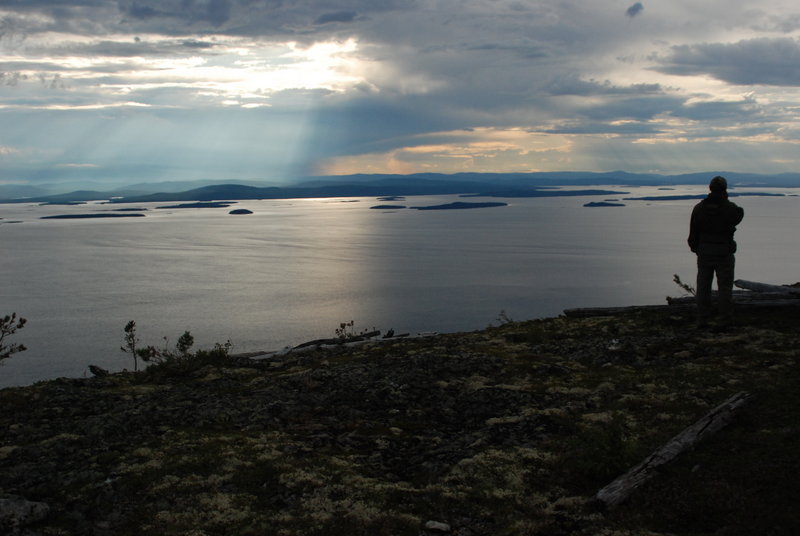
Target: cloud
[
  {"x": 11, "y": 78},
  {"x": 746, "y": 110},
  {"x": 338, "y": 16},
  {"x": 215, "y": 12},
  {"x": 761, "y": 61},
  {"x": 634, "y": 10},
  {"x": 359, "y": 81},
  {"x": 76, "y": 165}
]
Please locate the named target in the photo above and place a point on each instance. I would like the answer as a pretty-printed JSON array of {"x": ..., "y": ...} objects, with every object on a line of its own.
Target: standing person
[{"x": 714, "y": 220}]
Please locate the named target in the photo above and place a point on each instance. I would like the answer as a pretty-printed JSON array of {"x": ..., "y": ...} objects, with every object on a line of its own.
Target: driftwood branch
[
  {"x": 339, "y": 340},
  {"x": 619, "y": 490},
  {"x": 678, "y": 305},
  {"x": 584, "y": 312},
  {"x": 765, "y": 287},
  {"x": 739, "y": 296}
]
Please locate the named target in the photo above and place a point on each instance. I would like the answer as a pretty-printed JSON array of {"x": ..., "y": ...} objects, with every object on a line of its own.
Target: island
[
  {"x": 240, "y": 211},
  {"x": 387, "y": 207},
  {"x": 202, "y": 204},
  {"x": 543, "y": 192},
  {"x": 701, "y": 196},
  {"x": 459, "y": 205},
  {"x": 603, "y": 204},
  {"x": 88, "y": 216}
]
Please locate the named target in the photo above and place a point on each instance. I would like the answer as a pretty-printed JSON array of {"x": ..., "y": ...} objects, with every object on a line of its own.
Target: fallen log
[
  {"x": 739, "y": 296},
  {"x": 339, "y": 340},
  {"x": 765, "y": 287},
  {"x": 587, "y": 312},
  {"x": 713, "y": 421}
]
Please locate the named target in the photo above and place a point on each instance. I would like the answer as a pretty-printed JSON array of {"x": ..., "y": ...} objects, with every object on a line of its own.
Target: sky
[{"x": 126, "y": 91}]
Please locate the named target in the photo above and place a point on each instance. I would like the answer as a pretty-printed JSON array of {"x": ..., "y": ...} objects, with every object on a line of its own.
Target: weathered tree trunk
[
  {"x": 619, "y": 490},
  {"x": 739, "y": 296},
  {"x": 339, "y": 340},
  {"x": 584, "y": 312},
  {"x": 767, "y": 303},
  {"x": 765, "y": 287}
]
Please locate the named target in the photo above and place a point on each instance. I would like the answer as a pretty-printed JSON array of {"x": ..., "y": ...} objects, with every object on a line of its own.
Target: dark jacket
[{"x": 714, "y": 220}]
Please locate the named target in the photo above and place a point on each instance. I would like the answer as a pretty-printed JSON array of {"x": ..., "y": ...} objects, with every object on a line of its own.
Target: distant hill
[{"x": 379, "y": 185}]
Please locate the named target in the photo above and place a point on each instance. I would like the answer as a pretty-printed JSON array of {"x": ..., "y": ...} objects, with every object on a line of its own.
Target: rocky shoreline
[{"x": 507, "y": 430}]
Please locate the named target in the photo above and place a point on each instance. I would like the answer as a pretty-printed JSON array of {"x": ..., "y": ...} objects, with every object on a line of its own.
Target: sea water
[{"x": 293, "y": 270}]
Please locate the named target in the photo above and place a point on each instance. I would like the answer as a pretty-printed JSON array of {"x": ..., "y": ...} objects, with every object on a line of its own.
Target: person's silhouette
[{"x": 713, "y": 223}]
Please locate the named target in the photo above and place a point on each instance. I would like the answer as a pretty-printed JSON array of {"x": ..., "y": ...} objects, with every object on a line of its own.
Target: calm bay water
[{"x": 294, "y": 269}]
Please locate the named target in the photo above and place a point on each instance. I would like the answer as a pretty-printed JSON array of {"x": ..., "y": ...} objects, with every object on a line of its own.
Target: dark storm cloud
[
  {"x": 637, "y": 109},
  {"x": 51, "y": 5},
  {"x": 370, "y": 124},
  {"x": 765, "y": 61},
  {"x": 338, "y": 16},
  {"x": 24, "y": 17},
  {"x": 573, "y": 84},
  {"x": 215, "y": 12},
  {"x": 139, "y": 11},
  {"x": 218, "y": 11},
  {"x": 634, "y": 10},
  {"x": 524, "y": 51},
  {"x": 138, "y": 48},
  {"x": 743, "y": 110},
  {"x": 195, "y": 44},
  {"x": 263, "y": 18}
]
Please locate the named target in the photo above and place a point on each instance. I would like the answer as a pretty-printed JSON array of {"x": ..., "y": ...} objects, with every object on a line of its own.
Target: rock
[
  {"x": 436, "y": 526},
  {"x": 16, "y": 512},
  {"x": 98, "y": 371}
]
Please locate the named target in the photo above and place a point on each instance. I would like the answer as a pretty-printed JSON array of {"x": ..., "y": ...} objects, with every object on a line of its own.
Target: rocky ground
[{"x": 508, "y": 430}]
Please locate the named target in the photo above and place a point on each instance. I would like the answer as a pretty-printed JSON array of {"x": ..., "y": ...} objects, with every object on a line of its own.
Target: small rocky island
[
  {"x": 388, "y": 207},
  {"x": 461, "y": 205},
  {"x": 92, "y": 215},
  {"x": 201, "y": 204},
  {"x": 508, "y": 430},
  {"x": 603, "y": 204}
]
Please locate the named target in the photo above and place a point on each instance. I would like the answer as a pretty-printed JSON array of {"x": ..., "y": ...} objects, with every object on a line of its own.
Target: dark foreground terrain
[{"x": 510, "y": 430}]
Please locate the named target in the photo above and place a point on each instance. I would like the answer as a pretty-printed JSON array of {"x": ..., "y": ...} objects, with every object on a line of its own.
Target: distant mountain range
[{"x": 362, "y": 185}]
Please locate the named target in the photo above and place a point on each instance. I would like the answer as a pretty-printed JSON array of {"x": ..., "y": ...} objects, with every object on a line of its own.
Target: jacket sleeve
[
  {"x": 692, "y": 240},
  {"x": 738, "y": 215}
]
